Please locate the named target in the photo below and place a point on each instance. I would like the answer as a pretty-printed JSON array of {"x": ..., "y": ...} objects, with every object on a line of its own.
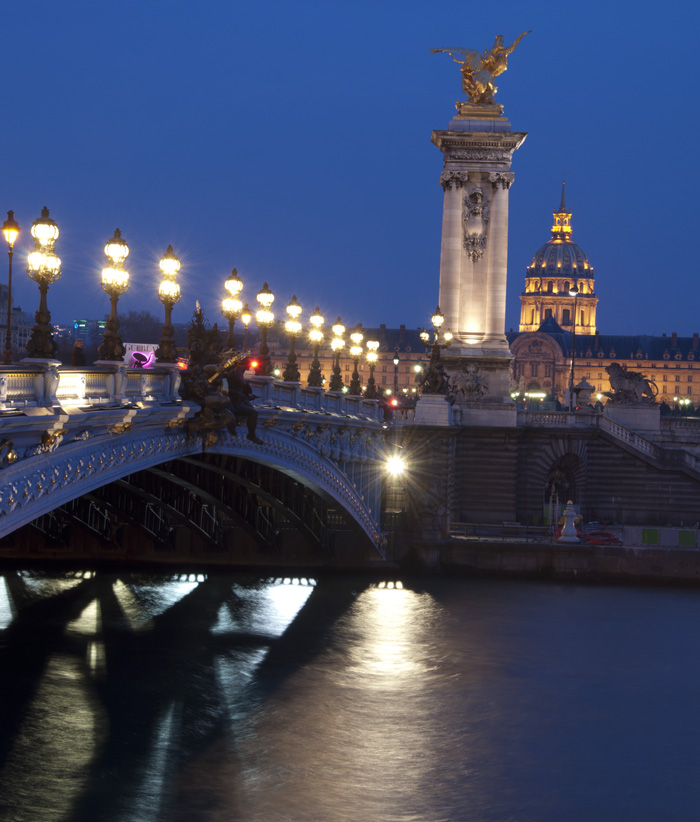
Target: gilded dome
[{"x": 560, "y": 257}]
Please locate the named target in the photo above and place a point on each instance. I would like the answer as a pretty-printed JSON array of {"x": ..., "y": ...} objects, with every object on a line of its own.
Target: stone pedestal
[
  {"x": 433, "y": 409},
  {"x": 644, "y": 419},
  {"x": 478, "y": 148}
]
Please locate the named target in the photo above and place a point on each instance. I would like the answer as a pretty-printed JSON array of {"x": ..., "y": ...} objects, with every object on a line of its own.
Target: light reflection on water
[
  {"x": 7, "y": 612},
  {"x": 46, "y": 770},
  {"x": 469, "y": 700}
]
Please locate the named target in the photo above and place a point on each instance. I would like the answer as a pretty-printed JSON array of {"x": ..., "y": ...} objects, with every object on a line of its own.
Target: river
[{"x": 141, "y": 697}]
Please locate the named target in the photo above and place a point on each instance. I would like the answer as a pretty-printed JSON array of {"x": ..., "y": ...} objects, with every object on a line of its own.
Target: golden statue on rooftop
[{"x": 478, "y": 70}]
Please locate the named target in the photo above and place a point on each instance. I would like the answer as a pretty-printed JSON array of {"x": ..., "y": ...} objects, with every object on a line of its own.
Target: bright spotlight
[{"x": 395, "y": 465}]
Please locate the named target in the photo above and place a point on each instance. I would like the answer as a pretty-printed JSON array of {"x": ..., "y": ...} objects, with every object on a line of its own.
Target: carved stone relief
[{"x": 475, "y": 219}]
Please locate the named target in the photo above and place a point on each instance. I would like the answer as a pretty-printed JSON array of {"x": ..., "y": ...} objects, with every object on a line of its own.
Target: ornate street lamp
[
  {"x": 356, "y": 352},
  {"x": 293, "y": 329},
  {"x": 337, "y": 345},
  {"x": 169, "y": 295},
  {"x": 231, "y": 306},
  {"x": 434, "y": 378},
  {"x": 435, "y": 346},
  {"x": 44, "y": 267},
  {"x": 246, "y": 317},
  {"x": 10, "y": 230},
  {"x": 396, "y": 362},
  {"x": 573, "y": 292},
  {"x": 115, "y": 282},
  {"x": 265, "y": 320},
  {"x": 316, "y": 336},
  {"x": 372, "y": 357}
]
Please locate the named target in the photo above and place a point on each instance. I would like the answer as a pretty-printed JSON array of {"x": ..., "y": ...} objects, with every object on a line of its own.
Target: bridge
[
  {"x": 102, "y": 461},
  {"x": 108, "y": 448}
]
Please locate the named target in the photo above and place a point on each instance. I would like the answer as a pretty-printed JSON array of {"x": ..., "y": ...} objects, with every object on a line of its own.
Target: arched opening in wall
[
  {"x": 566, "y": 317},
  {"x": 550, "y": 287},
  {"x": 565, "y": 481}
]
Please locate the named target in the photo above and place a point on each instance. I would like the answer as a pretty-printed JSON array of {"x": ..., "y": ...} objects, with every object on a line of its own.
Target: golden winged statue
[{"x": 478, "y": 70}]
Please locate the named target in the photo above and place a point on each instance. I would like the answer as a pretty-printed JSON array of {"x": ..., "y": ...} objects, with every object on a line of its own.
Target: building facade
[{"x": 558, "y": 335}]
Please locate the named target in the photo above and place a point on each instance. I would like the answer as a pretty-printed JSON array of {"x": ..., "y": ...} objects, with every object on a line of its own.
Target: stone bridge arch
[{"x": 336, "y": 461}]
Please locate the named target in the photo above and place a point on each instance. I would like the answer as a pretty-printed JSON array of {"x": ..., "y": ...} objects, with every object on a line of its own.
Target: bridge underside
[{"x": 212, "y": 508}]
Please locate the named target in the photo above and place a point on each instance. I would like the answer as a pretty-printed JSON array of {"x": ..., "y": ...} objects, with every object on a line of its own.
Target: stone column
[
  {"x": 495, "y": 320},
  {"x": 452, "y": 287}
]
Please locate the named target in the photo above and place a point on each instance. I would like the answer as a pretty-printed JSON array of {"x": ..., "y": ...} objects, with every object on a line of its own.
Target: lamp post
[
  {"x": 169, "y": 295},
  {"x": 115, "y": 282},
  {"x": 293, "y": 329},
  {"x": 434, "y": 379},
  {"x": 265, "y": 319},
  {"x": 573, "y": 292},
  {"x": 356, "y": 352},
  {"x": 396, "y": 362},
  {"x": 44, "y": 267},
  {"x": 231, "y": 306},
  {"x": 246, "y": 317},
  {"x": 337, "y": 345},
  {"x": 10, "y": 230},
  {"x": 315, "y": 379},
  {"x": 434, "y": 345},
  {"x": 372, "y": 357}
]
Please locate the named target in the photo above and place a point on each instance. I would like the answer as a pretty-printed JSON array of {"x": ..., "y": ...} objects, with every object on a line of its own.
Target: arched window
[
  {"x": 566, "y": 286},
  {"x": 550, "y": 287},
  {"x": 547, "y": 313},
  {"x": 566, "y": 317}
]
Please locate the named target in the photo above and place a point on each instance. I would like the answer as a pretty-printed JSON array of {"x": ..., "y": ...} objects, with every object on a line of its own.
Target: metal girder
[
  {"x": 271, "y": 499},
  {"x": 209, "y": 498}
]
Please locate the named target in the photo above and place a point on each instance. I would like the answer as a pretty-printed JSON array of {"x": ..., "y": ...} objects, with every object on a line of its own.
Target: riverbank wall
[{"x": 556, "y": 560}]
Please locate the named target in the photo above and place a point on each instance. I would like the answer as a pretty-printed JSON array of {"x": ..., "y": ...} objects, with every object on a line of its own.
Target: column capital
[
  {"x": 450, "y": 178},
  {"x": 500, "y": 179}
]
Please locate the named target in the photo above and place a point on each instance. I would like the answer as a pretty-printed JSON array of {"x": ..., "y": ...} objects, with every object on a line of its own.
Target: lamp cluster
[
  {"x": 233, "y": 308},
  {"x": 44, "y": 267}
]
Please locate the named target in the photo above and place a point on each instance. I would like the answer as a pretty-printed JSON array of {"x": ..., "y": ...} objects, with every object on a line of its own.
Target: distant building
[
  {"x": 90, "y": 331},
  {"x": 542, "y": 347},
  {"x": 21, "y": 325}
]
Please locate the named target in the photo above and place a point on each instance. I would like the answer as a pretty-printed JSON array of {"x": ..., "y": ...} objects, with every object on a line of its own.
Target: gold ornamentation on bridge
[{"x": 479, "y": 70}]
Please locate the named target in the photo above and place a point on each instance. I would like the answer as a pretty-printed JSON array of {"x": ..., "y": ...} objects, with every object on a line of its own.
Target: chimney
[
  {"x": 674, "y": 340},
  {"x": 402, "y": 333},
  {"x": 695, "y": 342},
  {"x": 382, "y": 332},
  {"x": 596, "y": 342}
]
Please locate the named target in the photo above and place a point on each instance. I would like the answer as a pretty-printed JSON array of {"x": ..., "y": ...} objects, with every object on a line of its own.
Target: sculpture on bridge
[
  {"x": 629, "y": 386},
  {"x": 434, "y": 380},
  {"x": 469, "y": 383},
  {"x": 214, "y": 379},
  {"x": 478, "y": 70}
]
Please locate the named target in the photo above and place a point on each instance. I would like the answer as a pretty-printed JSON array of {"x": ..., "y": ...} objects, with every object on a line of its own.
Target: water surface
[{"x": 192, "y": 697}]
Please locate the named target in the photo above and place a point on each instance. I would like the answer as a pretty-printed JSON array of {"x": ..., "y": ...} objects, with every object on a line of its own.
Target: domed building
[
  {"x": 559, "y": 282},
  {"x": 550, "y": 353}
]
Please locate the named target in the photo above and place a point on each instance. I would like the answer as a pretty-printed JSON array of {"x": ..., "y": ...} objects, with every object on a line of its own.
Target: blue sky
[{"x": 292, "y": 140}]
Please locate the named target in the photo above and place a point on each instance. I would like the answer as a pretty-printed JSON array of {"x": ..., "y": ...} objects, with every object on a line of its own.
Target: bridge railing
[
  {"x": 275, "y": 393},
  {"x": 45, "y": 384}
]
